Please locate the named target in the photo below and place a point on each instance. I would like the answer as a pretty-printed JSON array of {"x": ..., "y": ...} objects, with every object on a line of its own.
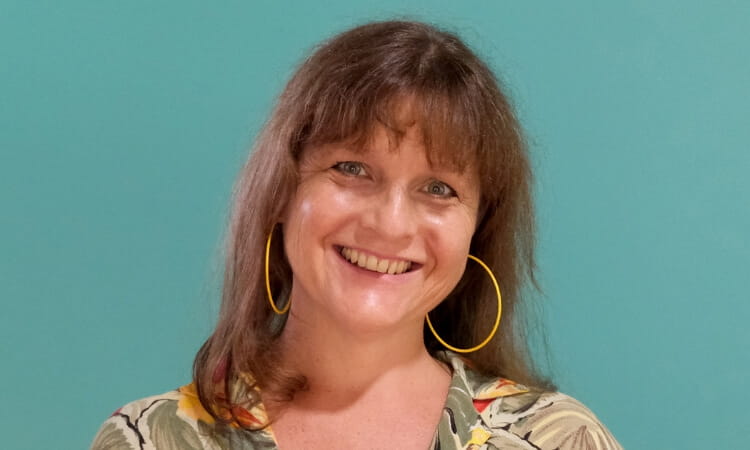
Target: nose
[{"x": 392, "y": 214}]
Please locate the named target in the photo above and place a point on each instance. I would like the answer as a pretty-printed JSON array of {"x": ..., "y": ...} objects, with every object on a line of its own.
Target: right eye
[{"x": 350, "y": 168}]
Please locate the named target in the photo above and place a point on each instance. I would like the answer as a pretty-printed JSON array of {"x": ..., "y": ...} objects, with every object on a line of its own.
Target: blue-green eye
[
  {"x": 351, "y": 168},
  {"x": 440, "y": 189}
]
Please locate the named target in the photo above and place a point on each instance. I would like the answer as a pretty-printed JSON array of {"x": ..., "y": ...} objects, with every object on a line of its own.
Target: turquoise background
[{"x": 123, "y": 124}]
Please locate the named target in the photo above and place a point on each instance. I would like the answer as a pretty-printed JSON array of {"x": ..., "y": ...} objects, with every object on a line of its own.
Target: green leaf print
[
  {"x": 169, "y": 431},
  {"x": 110, "y": 437},
  {"x": 226, "y": 436}
]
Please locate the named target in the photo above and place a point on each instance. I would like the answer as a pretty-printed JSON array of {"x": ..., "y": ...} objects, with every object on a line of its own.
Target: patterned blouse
[{"x": 480, "y": 413}]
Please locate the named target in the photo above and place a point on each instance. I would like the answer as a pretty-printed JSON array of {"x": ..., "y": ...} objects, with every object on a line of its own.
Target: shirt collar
[
  {"x": 476, "y": 386},
  {"x": 469, "y": 395}
]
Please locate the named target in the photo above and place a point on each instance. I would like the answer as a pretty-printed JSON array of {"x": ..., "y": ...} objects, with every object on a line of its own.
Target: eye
[
  {"x": 439, "y": 189},
  {"x": 351, "y": 168}
]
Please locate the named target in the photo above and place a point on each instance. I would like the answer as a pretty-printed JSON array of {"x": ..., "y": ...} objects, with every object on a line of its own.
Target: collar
[
  {"x": 480, "y": 388},
  {"x": 466, "y": 414}
]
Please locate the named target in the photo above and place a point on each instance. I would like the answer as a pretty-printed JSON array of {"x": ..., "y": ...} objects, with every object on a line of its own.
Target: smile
[{"x": 375, "y": 264}]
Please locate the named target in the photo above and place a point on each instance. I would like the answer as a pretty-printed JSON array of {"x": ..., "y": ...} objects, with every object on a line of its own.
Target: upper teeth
[{"x": 374, "y": 263}]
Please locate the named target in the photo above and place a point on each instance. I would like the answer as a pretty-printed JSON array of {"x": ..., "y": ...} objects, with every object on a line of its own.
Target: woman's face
[{"x": 377, "y": 238}]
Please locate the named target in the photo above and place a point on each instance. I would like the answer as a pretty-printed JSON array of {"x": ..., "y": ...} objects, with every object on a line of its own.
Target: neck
[{"x": 341, "y": 365}]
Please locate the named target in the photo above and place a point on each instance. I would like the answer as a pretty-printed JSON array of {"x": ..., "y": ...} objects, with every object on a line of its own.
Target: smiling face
[{"x": 376, "y": 238}]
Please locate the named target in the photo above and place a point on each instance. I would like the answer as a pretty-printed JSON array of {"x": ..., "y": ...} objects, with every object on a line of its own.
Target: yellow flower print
[{"x": 190, "y": 406}]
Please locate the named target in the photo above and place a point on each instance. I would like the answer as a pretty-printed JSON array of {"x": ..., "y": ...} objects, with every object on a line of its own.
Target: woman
[{"x": 390, "y": 182}]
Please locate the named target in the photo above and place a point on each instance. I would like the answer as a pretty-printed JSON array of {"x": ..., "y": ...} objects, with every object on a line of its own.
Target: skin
[{"x": 357, "y": 334}]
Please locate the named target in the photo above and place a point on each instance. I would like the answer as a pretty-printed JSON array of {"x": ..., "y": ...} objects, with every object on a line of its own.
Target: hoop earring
[
  {"x": 494, "y": 327},
  {"x": 268, "y": 281}
]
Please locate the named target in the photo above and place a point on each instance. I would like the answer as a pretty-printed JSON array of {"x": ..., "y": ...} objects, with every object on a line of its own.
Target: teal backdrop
[{"x": 123, "y": 124}]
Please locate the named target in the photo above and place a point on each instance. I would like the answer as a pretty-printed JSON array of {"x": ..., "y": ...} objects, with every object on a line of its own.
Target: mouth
[{"x": 373, "y": 263}]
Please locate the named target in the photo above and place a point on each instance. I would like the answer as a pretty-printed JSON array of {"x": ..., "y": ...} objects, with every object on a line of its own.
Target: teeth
[{"x": 375, "y": 264}]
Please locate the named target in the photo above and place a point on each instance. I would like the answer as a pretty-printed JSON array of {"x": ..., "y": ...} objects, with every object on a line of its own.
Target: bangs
[{"x": 448, "y": 126}]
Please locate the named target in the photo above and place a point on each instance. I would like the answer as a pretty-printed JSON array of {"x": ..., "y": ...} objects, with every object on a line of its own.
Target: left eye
[
  {"x": 351, "y": 168},
  {"x": 440, "y": 189}
]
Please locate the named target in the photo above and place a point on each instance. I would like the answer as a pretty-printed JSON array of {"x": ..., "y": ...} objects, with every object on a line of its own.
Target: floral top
[{"x": 480, "y": 413}]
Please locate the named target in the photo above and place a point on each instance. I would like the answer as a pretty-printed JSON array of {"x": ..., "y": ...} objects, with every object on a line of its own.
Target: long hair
[{"x": 347, "y": 86}]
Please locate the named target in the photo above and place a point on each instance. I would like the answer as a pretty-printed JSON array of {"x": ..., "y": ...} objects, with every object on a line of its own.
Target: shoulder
[
  {"x": 177, "y": 420},
  {"x": 174, "y": 419},
  {"x": 546, "y": 420}
]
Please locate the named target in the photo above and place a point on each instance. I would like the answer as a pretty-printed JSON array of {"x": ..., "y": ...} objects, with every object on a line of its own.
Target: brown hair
[{"x": 340, "y": 92}]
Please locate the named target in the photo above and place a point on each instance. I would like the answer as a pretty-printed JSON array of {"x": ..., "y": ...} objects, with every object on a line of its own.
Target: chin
[{"x": 376, "y": 315}]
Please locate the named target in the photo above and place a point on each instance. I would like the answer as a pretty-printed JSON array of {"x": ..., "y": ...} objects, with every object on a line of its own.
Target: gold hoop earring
[
  {"x": 494, "y": 327},
  {"x": 268, "y": 281}
]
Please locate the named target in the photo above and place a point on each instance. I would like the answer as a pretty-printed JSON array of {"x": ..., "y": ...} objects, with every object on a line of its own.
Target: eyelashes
[
  {"x": 433, "y": 187},
  {"x": 440, "y": 189},
  {"x": 350, "y": 168}
]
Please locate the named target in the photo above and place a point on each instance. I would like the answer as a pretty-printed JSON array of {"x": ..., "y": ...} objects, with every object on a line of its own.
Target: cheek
[
  {"x": 453, "y": 240},
  {"x": 458, "y": 243},
  {"x": 321, "y": 205},
  {"x": 313, "y": 212},
  {"x": 455, "y": 230},
  {"x": 457, "y": 253}
]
